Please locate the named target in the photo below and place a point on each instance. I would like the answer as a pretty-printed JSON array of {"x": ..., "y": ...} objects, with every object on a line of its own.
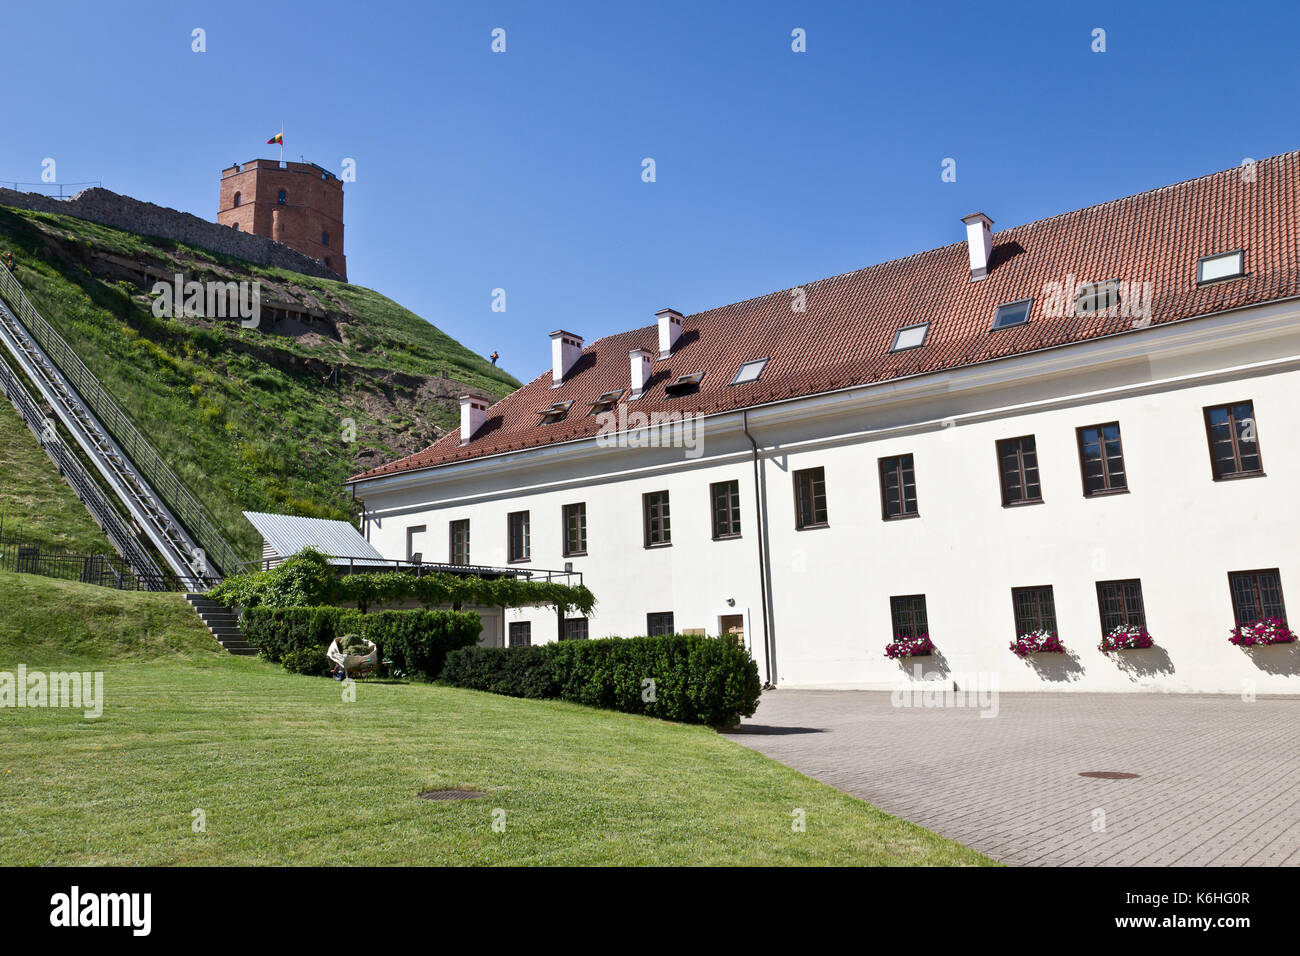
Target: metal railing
[
  {"x": 25, "y": 556},
  {"x": 142, "y": 454},
  {"x": 48, "y": 189},
  {"x": 352, "y": 565},
  {"x": 114, "y": 526}
]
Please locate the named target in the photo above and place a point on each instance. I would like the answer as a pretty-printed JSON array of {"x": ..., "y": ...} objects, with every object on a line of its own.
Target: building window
[
  {"x": 1120, "y": 604},
  {"x": 1018, "y": 466},
  {"x": 415, "y": 543},
  {"x": 749, "y": 371},
  {"x": 327, "y": 263},
  {"x": 521, "y": 633},
  {"x": 282, "y": 199},
  {"x": 1035, "y": 609},
  {"x": 810, "y": 498},
  {"x": 1012, "y": 313},
  {"x": 659, "y": 623},
  {"x": 1101, "y": 458},
  {"x": 910, "y": 337},
  {"x": 1234, "y": 444},
  {"x": 1256, "y": 596},
  {"x": 575, "y": 629},
  {"x": 908, "y": 613},
  {"x": 459, "y": 534},
  {"x": 658, "y": 524},
  {"x": 521, "y": 546},
  {"x": 237, "y": 197},
  {"x": 897, "y": 487},
  {"x": 236, "y": 226},
  {"x": 575, "y": 529},
  {"x": 726, "y": 509},
  {"x": 324, "y": 238},
  {"x": 1225, "y": 265}
]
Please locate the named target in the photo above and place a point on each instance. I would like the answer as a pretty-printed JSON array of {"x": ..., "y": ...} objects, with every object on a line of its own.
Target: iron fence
[{"x": 25, "y": 556}]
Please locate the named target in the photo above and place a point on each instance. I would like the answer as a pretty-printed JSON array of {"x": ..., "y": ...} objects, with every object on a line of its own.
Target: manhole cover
[
  {"x": 452, "y": 795},
  {"x": 1110, "y": 775}
]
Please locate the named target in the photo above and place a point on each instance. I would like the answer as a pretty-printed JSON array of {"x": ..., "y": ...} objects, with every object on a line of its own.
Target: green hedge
[
  {"x": 416, "y": 642},
  {"x": 697, "y": 680},
  {"x": 308, "y": 580}
]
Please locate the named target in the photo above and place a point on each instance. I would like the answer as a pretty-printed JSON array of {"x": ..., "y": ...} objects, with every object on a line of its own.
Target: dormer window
[
  {"x": 910, "y": 337},
  {"x": 749, "y": 372},
  {"x": 1012, "y": 313},
  {"x": 1223, "y": 265},
  {"x": 606, "y": 401},
  {"x": 555, "y": 413},
  {"x": 684, "y": 384}
]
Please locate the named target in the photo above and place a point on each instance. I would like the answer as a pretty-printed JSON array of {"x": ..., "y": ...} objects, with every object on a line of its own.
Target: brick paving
[{"x": 1219, "y": 777}]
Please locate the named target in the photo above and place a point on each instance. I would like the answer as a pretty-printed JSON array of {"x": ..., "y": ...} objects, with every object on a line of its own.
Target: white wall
[{"x": 1177, "y": 530}]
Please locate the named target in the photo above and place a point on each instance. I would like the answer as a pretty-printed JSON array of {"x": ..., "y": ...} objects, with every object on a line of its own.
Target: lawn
[{"x": 287, "y": 772}]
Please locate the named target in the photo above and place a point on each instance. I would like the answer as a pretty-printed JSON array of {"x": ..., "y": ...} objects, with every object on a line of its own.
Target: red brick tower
[{"x": 299, "y": 204}]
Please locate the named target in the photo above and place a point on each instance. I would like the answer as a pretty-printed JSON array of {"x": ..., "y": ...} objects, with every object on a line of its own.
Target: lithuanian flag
[{"x": 278, "y": 139}]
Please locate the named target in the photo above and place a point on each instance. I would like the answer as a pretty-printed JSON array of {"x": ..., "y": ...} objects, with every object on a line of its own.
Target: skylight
[
  {"x": 749, "y": 372},
  {"x": 1012, "y": 313},
  {"x": 555, "y": 412},
  {"x": 1224, "y": 265},
  {"x": 1097, "y": 297},
  {"x": 910, "y": 337},
  {"x": 606, "y": 402},
  {"x": 685, "y": 383}
]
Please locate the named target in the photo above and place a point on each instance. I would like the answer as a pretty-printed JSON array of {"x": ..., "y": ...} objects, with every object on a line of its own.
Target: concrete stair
[{"x": 221, "y": 622}]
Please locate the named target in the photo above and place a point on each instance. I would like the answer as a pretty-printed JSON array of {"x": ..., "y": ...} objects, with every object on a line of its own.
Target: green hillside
[
  {"x": 34, "y": 501},
  {"x": 250, "y": 419}
]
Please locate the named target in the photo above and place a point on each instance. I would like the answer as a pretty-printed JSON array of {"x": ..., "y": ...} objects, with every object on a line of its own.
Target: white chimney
[
  {"x": 566, "y": 348},
  {"x": 670, "y": 328},
  {"x": 979, "y": 243},
  {"x": 473, "y": 413},
  {"x": 639, "y": 360}
]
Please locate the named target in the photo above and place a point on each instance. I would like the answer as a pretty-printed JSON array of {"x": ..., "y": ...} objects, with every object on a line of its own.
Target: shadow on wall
[
  {"x": 1143, "y": 663},
  {"x": 1280, "y": 659},
  {"x": 925, "y": 667},
  {"x": 1056, "y": 668}
]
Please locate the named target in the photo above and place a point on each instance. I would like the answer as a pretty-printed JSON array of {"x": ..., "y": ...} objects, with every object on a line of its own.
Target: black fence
[{"x": 24, "y": 556}]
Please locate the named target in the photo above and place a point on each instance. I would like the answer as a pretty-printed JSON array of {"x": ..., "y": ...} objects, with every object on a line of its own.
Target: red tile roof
[{"x": 844, "y": 336}]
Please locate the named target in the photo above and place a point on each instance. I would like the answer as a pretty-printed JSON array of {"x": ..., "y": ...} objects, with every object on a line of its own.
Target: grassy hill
[
  {"x": 288, "y": 772},
  {"x": 34, "y": 501},
  {"x": 250, "y": 419}
]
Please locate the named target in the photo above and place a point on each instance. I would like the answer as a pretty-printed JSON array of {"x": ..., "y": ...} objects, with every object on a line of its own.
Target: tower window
[
  {"x": 236, "y": 226},
  {"x": 282, "y": 198},
  {"x": 236, "y": 199},
  {"x": 324, "y": 238}
]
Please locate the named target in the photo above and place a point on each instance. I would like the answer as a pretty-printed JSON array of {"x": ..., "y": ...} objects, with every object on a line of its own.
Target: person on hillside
[
  {"x": 9, "y": 261},
  {"x": 494, "y": 356}
]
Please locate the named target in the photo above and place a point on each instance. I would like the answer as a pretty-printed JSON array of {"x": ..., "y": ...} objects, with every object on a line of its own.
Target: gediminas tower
[{"x": 299, "y": 204}]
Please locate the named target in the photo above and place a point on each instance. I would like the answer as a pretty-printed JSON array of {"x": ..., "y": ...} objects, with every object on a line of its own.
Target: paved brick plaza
[{"x": 1219, "y": 784}]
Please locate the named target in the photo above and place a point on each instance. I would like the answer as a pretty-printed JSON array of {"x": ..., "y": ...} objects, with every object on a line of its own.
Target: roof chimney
[
  {"x": 979, "y": 243},
  {"x": 566, "y": 348},
  {"x": 670, "y": 329},
  {"x": 640, "y": 363},
  {"x": 473, "y": 413}
]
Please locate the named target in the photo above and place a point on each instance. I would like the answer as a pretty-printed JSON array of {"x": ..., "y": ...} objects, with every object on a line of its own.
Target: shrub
[
  {"x": 308, "y": 660},
  {"x": 416, "y": 642},
  {"x": 687, "y": 678}
]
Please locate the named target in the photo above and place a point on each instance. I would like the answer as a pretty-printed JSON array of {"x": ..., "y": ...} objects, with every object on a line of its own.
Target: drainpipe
[{"x": 759, "y": 511}]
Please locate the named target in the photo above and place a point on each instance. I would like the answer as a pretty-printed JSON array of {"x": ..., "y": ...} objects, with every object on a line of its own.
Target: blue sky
[{"x": 523, "y": 170}]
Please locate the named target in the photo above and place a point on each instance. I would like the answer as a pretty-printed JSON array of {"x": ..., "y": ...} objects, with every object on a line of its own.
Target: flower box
[
  {"x": 1269, "y": 630},
  {"x": 1126, "y": 637},
  {"x": 1037, "y": 642},
  {"x": 919, "y": 646}
]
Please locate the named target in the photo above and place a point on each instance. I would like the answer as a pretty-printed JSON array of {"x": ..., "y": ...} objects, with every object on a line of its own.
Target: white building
[{"x": 969, "y": 441}]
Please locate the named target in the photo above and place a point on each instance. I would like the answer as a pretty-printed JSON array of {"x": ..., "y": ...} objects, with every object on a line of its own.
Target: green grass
[
  {"x": 288, "y": 773},
  {"x": 248, "y": 419},
  {"x": 34, "y": 501}
]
